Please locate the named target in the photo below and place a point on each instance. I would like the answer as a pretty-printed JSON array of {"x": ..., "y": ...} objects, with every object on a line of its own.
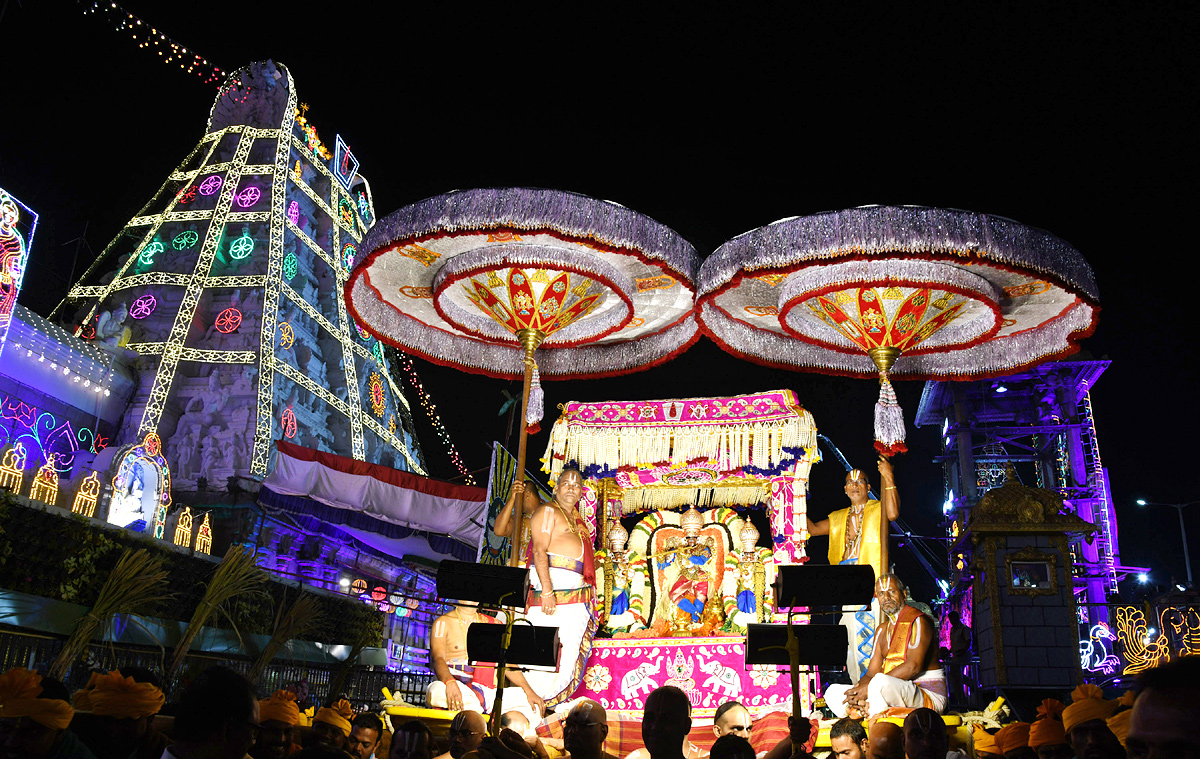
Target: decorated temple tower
[{"x": 225, "y": 292}]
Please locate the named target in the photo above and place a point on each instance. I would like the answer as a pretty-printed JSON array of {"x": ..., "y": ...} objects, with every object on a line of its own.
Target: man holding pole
[
  {"x": 858, "y": 535},
  {"x": 563, "y": 575}
]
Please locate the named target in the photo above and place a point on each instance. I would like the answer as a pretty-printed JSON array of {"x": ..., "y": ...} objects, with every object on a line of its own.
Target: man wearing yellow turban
[
  {"x": 1084, "y": 721},
  {"x": 34, "y": 716},
  {"x": 1046, "y": 735},
  {"x": 984, "y": 744},
  {"x": 1013, "y": 741},
  {"x": 331, "y": 726},
  {"x": 277, "y": 720},
  {"x": 115, "y": 713}
]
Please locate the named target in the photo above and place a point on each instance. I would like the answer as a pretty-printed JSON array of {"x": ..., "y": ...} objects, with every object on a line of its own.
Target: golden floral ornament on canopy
[{"x": 912, "y": 292}]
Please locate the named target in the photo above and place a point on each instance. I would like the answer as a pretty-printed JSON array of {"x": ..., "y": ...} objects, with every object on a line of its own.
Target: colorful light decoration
[
  {"x": 185, "y": 239},
  {"x": 431, "y": 411},
  {"x": 228, "y": 320},
  {"x": 346, "y": 209},
  {"x": 12, "y": 468},
  {"x": 365, "y": 335},
  {"x": 211, "y": 184},
  {"x": 378, "y": 401},
  {"x": 293, "y": 212},
  {"x": 151, "y": 249},
  {"x": 187, "y": 194},
  {"x": 85, "y": 499},
  {"x": 204, "y": 536},
  {"x": 287, "y": 336},
  {"x": 288, "y": 420},
  {"x": 45, "y": 436},
  {"x": 345, "y": 165},
  {"x": 278, "y": 176},
  {"x": 242, "y": 247},
  {"x": 183, "y": 528},
  {"x": 153, "y": 40},
  {"x": 248, "y": 196},
  {"x": 290, "y": 266},
  {"x": 45, "y": 483},
  {"x": 17, "y": 225},
  {"x": 142, "y": 307},
  {"x": 364, "y": 206},
  {"x": 358, "y": 587},
  {"x": 348, "y": 254}
]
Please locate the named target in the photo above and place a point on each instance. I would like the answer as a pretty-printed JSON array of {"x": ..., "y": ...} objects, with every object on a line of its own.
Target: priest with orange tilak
[{"x": 904, "y": 668}]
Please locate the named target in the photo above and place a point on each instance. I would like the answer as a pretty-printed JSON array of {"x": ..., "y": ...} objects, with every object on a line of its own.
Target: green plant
[{"x": 89, "y": 549}]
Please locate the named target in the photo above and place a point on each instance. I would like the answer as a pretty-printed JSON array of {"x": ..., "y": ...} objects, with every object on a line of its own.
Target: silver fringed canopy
[
  {"x": 455, "y": 277},
  {"x": 956, "y": 294}
]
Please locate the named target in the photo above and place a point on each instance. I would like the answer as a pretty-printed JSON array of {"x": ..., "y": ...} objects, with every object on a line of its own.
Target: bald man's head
[
  {"x": 886, "y": 741},
  {"x": 466, "y": 732},
  {"x": 925, "y": 735},
  {"x": 584, "y": 729}
]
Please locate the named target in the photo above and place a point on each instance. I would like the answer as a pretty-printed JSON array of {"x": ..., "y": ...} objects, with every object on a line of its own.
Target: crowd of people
[{"x": 218, "y": 716}]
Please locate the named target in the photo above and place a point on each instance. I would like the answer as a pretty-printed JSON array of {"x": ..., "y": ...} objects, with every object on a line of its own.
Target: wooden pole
[
  {"x": 530, "y": 340},
  {"x": 884, "y": 532}
]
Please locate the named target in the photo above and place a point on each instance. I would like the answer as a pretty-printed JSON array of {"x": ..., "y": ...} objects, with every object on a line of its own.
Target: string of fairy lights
[
  {"x": 154, "y": 40},
  {"x": 431, "y": 411}
]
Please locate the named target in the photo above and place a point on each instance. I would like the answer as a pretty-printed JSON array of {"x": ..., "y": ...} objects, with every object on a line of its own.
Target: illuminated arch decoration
[
  {"x": 183, "y": 528},
  {"x": 204, "y": 536},
  {"x": 211, "y": 184},
  {"x": 45, "y": 483},
  {"x": 248, "y": 196},
  {"x": 152, "y": 248},
  {"x": 142, "y": 307},
  {"x": 288, "y": 420},
  {"x": 12, "y": 468},
  {"x": 228, "y": 320},
  {"x": 142, "y": 483},
  {"x": 242, "y": 247},
  {"x": 378, "y": 401},
  {"x": 290, "y": 266},
  {"x": 293, "y": 212},
  {"x": 185, "y": 239},
  {"x": 287, "y": 336},
  {"x": 85, "y": 499}
]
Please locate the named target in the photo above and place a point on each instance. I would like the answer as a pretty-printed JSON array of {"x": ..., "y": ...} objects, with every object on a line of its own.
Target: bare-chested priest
[
  {"x": 904, "y": 669},
  {"x": 854, "y": 534},
  {"x": 563, "y": 576},
  {"x": 460, "y": 685}
]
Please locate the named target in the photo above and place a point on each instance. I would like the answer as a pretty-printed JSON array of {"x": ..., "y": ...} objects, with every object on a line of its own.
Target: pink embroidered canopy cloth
[{"x": 704, "y": 452}]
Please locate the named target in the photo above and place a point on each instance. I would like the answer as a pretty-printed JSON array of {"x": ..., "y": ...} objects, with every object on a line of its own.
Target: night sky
[{"x": 1075, "y": 119}]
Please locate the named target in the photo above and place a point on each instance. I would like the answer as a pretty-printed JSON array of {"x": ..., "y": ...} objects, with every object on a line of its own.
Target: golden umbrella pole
[
  {"x": 530, "y": 340},
  {"x": 884, "y": 358}
]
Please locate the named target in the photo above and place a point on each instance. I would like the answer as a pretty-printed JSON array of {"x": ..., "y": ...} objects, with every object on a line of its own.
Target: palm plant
[{"x": 236, "y": 575}]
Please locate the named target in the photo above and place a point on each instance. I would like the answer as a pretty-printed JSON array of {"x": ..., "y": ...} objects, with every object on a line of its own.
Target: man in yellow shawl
[
  {"x": 34, "y": 716},
  {"x": 854, "y": 534}
]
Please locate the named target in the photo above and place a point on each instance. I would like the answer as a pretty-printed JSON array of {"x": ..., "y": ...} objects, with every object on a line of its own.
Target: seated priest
[
  {"x": 904, "y": 669},
  {"x": 460, "y": 685}
]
